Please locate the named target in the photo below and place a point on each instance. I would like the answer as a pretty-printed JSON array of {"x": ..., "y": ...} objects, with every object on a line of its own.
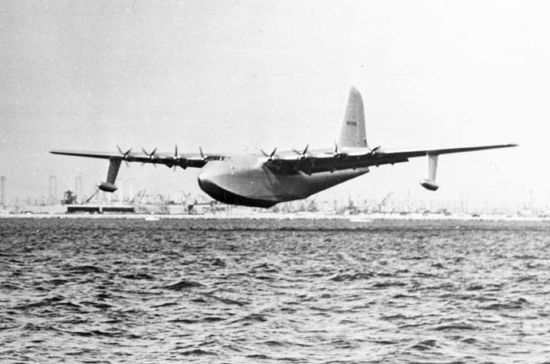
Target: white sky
[{"x": 231, "y": 75}]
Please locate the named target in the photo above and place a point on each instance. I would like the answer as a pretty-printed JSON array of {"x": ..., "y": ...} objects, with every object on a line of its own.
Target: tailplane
[{"x": 352, "y": 133}]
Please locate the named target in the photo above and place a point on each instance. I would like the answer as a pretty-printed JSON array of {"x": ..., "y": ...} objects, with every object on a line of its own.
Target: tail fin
[{"x": 352, "y": 133}]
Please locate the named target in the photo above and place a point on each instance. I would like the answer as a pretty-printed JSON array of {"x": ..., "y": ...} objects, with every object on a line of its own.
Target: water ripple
[{"x": 273, "y": 291}]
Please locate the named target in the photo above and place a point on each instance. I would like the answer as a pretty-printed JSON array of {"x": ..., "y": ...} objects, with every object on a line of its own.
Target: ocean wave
[{"x": 216, "y": 291}]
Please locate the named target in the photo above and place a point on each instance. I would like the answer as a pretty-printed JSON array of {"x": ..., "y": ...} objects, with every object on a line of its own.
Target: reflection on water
[{"x": 296, "y": 291}]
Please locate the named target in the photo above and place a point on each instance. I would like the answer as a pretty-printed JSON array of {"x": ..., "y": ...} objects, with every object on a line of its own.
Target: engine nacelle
[
  {"x": 429, "y": 184},
  {"x": 107, "y": 187}
]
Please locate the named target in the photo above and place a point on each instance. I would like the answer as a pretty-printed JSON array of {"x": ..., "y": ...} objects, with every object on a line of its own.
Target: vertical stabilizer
[{"x": 353, "y": 132}]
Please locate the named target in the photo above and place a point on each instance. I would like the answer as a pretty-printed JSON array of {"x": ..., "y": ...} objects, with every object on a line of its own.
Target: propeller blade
[
  {"x": 150, "y": 155},
  {"x": 337, "y": 152},
  {"x": 175, "y": 158},
  {"x": 270, "y": 155},
  {"x": 201, "y": 152},
  {"x": 124, "y": 153},
  {"x": 302, "y": 154}
]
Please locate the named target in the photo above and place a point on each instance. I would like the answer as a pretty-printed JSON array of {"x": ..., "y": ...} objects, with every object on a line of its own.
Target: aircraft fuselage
[{"x": 245, "y": 180}]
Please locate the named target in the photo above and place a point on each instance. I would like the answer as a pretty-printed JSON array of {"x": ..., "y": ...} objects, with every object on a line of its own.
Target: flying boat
[{"x": 263, "y": 179}]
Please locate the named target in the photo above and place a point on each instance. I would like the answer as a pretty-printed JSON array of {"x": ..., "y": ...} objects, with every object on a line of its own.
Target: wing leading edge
[
  {"x": 360, "y": 157},
  {"x": 196, "y": 160},
  {"x": 424, "y": 152},
  {"x": 193, "y": 160}
]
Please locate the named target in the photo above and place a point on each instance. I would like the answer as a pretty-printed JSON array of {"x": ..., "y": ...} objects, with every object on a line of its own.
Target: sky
[{"x": 233, "y": 76}]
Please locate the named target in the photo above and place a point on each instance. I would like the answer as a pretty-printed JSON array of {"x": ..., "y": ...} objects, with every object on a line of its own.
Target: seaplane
[{"x": 262, "y": 179}]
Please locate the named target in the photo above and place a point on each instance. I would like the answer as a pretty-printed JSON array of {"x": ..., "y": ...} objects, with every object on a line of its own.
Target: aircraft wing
[
  {"x": 184, "y": 160},
  {"x": 358, "y": 158},
  {"x": 423, "y": 152}
]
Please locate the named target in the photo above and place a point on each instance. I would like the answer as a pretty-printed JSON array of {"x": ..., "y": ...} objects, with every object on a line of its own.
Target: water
[{"x": 273, "y": 291}]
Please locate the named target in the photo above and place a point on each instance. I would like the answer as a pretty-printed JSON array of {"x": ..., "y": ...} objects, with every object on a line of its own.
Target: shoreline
[{"x": 360, "y": 218}]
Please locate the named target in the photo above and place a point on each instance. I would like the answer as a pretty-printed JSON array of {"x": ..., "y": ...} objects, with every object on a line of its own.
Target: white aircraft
[{"x": 263, "y": 180}]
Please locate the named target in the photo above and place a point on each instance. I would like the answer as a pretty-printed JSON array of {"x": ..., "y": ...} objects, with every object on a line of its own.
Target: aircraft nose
[{"x": 205, "y": 182}]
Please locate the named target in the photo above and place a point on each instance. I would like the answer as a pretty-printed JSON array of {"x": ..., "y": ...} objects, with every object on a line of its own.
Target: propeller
[
  {"x": 336, "y": 152},
  {"x": 151, "y": 155},
  {"x": 271, "y": 155},
  {"x": 175, "y": 158},
  {"x": 201, "y": 153},
  {"x": 303, "y": 154},
  {"x": 305, "y": 162},
  {"x": 125, "y": 154},
  {"x": 375, "y": 149}
]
